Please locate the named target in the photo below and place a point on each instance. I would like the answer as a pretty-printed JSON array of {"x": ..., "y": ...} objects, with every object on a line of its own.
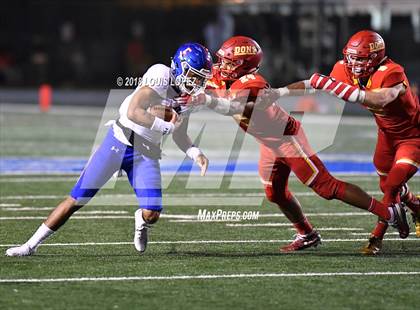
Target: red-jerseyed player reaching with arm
[
  {"x": 283, "y": 145},
  {"x": 367, "y": 76}
]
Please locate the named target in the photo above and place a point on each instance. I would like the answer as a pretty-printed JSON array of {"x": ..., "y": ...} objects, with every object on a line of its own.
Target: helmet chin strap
[
  {"x": 363, "y": 79},
  {"x": 383, "y": 60}
]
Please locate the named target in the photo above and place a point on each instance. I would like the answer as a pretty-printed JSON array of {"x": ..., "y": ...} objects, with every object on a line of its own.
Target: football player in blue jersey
[{"x": 133, "y": 144}]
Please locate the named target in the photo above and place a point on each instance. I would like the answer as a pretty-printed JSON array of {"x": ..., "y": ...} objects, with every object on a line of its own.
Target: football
[{"x": 162, "y": 111}]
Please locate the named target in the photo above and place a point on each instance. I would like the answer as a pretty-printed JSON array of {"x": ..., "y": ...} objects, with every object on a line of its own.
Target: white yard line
[
  {"x": 32, "y": 197},
  {"x": 51, "y": 208},
  {"x": 261, "y": 225},
  {"x": 75, "y": 217},
  {"x": 6, "y": 205},
  {"x": 202, "y": 242},
  {"x": 245, "y": 177},
  {"x": 178, "y": 218},
  {"x": 215, "y": 276},
  {"x": 193, "y": 218},
  {"x": 289, "y": 224},
  {"x": 259, "y": 194},
  {"x": 336, "y": 229},
  {"x": 38, "y": 179},
  {"x": 392, "y": 233}
]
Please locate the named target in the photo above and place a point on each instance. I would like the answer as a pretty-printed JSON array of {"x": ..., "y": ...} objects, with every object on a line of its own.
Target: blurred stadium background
[
  {"x": 79, "y": 48},
  {"x": 85, "y": 45}
]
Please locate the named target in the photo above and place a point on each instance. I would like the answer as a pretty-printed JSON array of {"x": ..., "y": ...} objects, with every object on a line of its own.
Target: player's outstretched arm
[
  {"x": 143, "y": 99},
  {"x": 220, "y": 105},
  {"x": 300, "y": 88},
  {"x": 183, "y": 141},
  {"x": 377, "y": 98},
  {"x": 271, "y": 95}
]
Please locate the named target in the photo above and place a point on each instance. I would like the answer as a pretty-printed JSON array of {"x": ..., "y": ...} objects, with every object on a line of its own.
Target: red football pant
[
  {"x": 294, "y": 154},
  {"x": 275, "y": 167},
  {"x": 396, "y": 161}
]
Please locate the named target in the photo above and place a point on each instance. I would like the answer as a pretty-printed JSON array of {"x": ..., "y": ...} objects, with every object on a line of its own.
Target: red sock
[
  {"x": 399, "y": 174},
  {"x": 379, "y": 209},
  {"x": 303, "y": 227},
  {"x": 380, "y": 229}
]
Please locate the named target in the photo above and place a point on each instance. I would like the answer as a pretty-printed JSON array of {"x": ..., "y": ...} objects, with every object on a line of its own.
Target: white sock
[
  {"x": 42, "y": 233},
  {"x": 391, "y": 211},
  {"x": 140, "y": 222}
]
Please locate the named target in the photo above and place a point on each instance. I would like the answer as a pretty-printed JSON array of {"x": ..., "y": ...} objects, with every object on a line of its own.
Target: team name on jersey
[{"x": 245, "y": 50}]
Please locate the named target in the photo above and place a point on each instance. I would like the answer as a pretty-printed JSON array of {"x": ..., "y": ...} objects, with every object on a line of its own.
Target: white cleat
[
  {"x": 140, "y": 232},
  {"x": 140, "y": 239},
  {"x": 23, "y": 250}
]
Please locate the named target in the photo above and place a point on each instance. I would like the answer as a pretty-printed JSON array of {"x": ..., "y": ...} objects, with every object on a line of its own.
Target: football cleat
[
  {"x": 23, "y": 250},
  {"x": 373, "y": 247},
  {"x": 301, "y": 242},
  {"x": 140, "y": 232},
  {"x": 414, "y": 205},
  {"x": 400, "y": 220}
]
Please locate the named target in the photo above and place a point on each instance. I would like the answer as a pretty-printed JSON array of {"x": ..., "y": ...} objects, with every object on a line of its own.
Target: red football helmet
[
  {"x": 363, "y": 53},
  {"x": 238, "y": 56}
]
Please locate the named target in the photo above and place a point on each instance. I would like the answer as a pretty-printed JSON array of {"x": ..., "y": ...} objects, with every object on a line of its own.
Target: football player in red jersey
[
  {"x": 283, "y": 145},
  {"x": 367, "y": 76}
]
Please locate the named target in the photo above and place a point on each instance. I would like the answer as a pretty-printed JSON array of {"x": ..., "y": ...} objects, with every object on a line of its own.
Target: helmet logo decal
[
  {"x": 376, "y": 46},
  {"x": 184, "y": 52},
  {"x": 245, "y": 50}
]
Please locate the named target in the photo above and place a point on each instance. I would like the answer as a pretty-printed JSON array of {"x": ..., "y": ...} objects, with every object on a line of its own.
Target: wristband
[
  {"x": 193, "y": 152},
  {"x": 162, "y": 126},
  {"x": 283, "y": 91},
  {"x": 208, "y": 100},
  {"x": 349, "y": 93},
  {"x": 361, "y": 97}
]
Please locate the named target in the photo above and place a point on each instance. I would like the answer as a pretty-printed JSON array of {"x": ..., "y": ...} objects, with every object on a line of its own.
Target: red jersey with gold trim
[
  {"x": 267, "y": 126},
  {"x": 399, "y": 119}
]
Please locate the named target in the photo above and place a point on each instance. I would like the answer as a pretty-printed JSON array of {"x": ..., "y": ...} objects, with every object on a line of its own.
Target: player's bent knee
[
  {"x": 391, "y": 187},
  {"x": 277, "y": 196},
  {"x": 71, "y": 204},
  {"x": 150, "y": 216},
  {"x": 329, "y": 187},
  {"x": 269, "y": 193}
]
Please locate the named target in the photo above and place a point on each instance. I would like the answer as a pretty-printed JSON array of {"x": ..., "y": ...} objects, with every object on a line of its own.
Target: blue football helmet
[{"x": 191, "y": 68}]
